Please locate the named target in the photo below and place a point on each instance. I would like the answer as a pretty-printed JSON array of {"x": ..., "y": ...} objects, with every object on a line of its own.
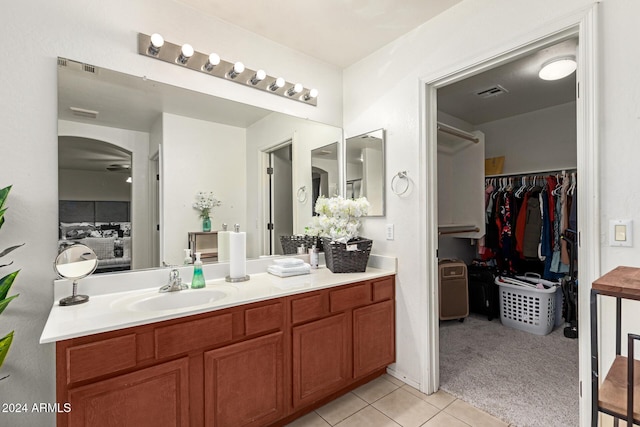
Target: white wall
[
  {"x": 76, "y": 184},
  {"x": 543, "y": 139},
  {"x": 261, "y": 136},
  {"x": 34, "y": 34},
  {"x": 200, "y": 156},
  {"x": 376, "y": 95}
]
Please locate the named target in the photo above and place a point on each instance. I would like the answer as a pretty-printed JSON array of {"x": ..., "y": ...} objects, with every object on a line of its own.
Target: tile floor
[{"x": 388, "y": 402}]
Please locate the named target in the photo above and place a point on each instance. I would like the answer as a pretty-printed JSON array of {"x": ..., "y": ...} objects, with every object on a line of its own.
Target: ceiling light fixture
[
  {"x": 277, "y": 84},
  {"x": 237, "y": 69},
  {"x": 155, "y": 44},
  {"x": 185, "y": 53},
  {"x": 558, "y": 68},
  {"x": 258, "y": 77},
  {"x": 212, "y": 61},
  {"x": 156, "y": 47}
]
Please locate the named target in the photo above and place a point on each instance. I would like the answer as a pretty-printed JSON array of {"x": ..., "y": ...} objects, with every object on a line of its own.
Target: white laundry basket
[{"x": 529, "y": 309}]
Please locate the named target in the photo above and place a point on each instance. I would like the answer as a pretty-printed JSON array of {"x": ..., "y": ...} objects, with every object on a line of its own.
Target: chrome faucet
[{"x": 175, "y": 282}]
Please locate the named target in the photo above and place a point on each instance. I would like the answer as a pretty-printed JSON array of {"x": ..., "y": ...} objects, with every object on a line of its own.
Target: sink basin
[{"x": 175, "y": 300}]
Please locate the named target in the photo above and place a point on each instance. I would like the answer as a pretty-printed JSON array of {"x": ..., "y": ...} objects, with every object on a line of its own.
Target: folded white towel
[
  {"x": 289, "y": 271},
  {"x": 288, "y": 262}
]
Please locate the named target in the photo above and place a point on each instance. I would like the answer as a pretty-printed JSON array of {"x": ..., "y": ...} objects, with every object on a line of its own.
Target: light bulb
[
  {"x": 297, "y": 88},
  {"x": 277, "y": 84},
  {"x": 258, "y": 77},
  {"x": 213, "y": 60},
  {"x": 186, "y": 52},
  {"x": 238, "y": 68},
  {"x": 157, "y": 41},
  {"x": 313, "y": 93}
]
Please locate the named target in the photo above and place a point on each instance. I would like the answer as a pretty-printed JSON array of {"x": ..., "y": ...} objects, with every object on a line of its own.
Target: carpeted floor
[{"x": 525, "y": 379}]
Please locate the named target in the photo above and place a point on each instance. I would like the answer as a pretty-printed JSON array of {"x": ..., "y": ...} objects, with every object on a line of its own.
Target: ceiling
[
  {"x": 340, "y": 32},
  {"x": 525, "y": 91}
]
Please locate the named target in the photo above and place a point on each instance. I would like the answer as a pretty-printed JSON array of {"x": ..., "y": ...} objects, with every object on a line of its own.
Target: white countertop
[{"x": 111, "y": 311}]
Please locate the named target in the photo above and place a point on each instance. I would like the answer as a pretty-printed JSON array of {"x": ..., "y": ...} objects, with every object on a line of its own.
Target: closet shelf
[{"x": 457, "y": 229}]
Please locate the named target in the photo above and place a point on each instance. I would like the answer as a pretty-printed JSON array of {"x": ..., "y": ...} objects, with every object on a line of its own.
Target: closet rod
[
  {"x": 537, "y": 172},
  {"x": 457, "y": 132},
  {"x": 467, "y": 230}
]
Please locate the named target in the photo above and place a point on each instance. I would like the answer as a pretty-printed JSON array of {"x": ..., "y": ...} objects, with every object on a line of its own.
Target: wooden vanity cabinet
[
  {"x": 344, "y": 335},
  {"x": 253, "y": 365}
]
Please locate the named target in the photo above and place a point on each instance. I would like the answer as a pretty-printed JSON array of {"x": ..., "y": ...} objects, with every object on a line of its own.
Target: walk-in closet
[{"x": 508, "y": 267}]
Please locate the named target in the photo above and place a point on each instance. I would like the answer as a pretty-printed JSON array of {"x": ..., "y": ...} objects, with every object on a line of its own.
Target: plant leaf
[
  {"x": 5, "y": 343},
  {"x": 6, "y": 282},
  {"x": 3, "y": 195},
  {"x": 12, "y": 248},
  {"x": 5, "y": 302}
]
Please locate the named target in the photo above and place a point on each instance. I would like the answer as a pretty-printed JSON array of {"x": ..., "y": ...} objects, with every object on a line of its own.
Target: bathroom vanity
[{"x": 269, "y": 352}]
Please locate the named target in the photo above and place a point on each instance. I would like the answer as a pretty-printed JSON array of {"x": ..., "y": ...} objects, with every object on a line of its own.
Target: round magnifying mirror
[{"x": 75, "y": 262}]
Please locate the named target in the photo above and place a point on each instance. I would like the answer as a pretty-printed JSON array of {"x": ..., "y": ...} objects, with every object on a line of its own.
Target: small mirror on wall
[
  {"x": 365, "y": 169},
  {"x": 324, "y": 173}
]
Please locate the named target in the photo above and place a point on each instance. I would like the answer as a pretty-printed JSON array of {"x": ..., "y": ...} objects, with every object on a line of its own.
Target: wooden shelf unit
[{"x": 612, "y": 396}]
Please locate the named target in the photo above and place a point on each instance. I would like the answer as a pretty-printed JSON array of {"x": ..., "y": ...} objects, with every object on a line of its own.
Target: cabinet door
[
  {"x": 154, "y": 397},
  {"x": 321, "y": 358},
  {"x": 373, "y": 337},
  {"x": 244, "y": 383}
]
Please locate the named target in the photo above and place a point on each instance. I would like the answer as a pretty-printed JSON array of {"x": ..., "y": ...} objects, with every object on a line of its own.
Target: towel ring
[
  {"x": 403, "y": 177},
  {"x": 302, "y": 194}
]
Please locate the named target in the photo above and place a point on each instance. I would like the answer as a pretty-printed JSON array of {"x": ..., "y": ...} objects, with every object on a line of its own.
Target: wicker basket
[
  {"x": 347, "y": 258},
  {"x": 290, "y": 244}
]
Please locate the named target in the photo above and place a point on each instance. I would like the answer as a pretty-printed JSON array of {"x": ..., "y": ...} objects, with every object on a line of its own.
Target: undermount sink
[{"x": 175, "y": 300}]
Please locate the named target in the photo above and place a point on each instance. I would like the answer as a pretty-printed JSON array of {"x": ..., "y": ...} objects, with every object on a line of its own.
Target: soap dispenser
[
  {"x": 187, "y": 257},
  {"x": 198, "y": 276}
]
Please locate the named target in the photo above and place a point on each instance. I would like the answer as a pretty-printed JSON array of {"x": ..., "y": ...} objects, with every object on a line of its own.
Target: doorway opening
[
  {"x": 507, "y": 150},
  {"x": 280, "y": 196}
]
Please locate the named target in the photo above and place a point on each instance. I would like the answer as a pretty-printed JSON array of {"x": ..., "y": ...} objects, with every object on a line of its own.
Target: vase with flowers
[
  {"x": 205, "y": 201},
  {"x": 338, "y": 224}
]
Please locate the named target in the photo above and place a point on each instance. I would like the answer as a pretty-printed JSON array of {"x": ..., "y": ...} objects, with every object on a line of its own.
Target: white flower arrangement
[
  {"x": 205, "y": 201},
  {"x": 338, "y": 218}
]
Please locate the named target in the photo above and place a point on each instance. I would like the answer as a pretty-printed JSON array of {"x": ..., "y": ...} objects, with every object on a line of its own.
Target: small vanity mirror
[
  {"x": 324, "y": 173},
  {"x": 365, "y": 169},
  {"x": 74, "y": 263}
]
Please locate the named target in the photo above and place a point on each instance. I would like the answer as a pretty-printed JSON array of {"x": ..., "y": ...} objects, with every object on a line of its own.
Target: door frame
[{"x": 583, "y": 24}]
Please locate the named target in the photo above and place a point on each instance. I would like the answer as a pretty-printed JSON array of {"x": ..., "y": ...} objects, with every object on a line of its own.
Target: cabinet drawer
[
  {"x": 189, "y": 336},
  {"x": 308, "y": 308},
  {"x": 383, "y": 289},
  {"x": 100, "y": 358},
  {"x": 351, "y": 297},
  {"x": 265, "y": 318}
]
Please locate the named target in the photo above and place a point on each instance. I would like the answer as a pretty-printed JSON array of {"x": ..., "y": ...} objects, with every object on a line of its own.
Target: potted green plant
[{"x": 6, "y": 282}]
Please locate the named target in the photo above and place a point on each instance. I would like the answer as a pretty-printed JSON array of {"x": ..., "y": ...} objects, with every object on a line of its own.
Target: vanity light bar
[{"x": 156, "y": 47}]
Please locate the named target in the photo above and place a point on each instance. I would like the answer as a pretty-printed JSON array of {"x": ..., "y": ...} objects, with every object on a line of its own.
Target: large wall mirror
[
  {"x": 133, "y": 153},
  {"x": 365, "y": 173}
]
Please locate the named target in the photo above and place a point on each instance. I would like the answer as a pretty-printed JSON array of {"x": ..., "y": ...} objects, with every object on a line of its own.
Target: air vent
[
  {"x": 62, "y": 62},
  {"x": 89, "y": 68},
  {"x": 492, "y": 91},
  {"x": 82, "y": 112}
]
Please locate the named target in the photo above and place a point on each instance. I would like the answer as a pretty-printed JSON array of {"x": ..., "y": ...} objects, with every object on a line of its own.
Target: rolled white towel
[{"x": 288, "y": 262}]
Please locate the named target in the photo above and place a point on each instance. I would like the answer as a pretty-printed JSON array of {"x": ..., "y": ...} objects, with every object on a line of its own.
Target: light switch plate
[
  {"x": 620, "y": 232},
  {"x": 389, "y": 231}
]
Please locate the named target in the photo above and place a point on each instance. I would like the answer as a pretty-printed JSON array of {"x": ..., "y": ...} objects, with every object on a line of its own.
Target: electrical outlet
[{"x": 389, "y": 229}]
